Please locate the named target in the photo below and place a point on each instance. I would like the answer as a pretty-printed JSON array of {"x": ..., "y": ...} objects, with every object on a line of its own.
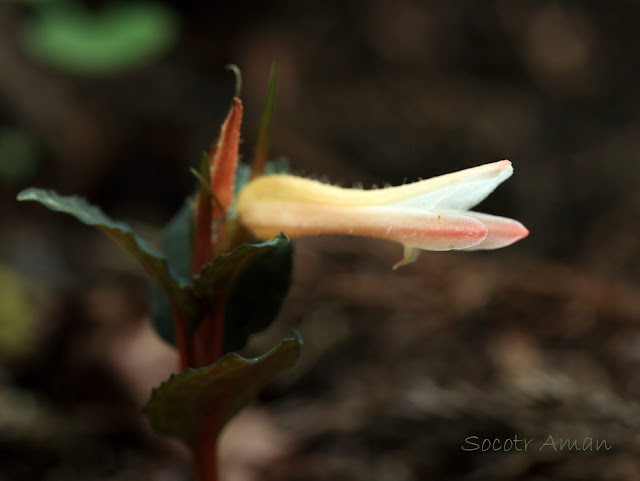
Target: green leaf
[
  {"x": 257, "y": 296},
  {"x": 217, "y": 273},
  {"x": 20, "y": 321},
  {"x": 260, "y": 275},
  {"x": 202, "y": 175},
  {"x": 154, "y": 263},
  {"x": 18, "y": 155},
  {"x": 119, "y": 36},
  {"x": 177, "y": 242},
  {"x": 176, "y": 246},
  {"x": 205, "y": 399},
  {"x": 262, "y": 145}
]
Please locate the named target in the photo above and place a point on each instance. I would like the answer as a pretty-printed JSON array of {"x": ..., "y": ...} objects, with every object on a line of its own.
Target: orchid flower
[{"x": 431, "y": 214}]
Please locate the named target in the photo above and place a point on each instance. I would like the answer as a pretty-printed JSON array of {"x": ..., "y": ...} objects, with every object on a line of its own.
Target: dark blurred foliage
[{"x": 377, "y": 91}]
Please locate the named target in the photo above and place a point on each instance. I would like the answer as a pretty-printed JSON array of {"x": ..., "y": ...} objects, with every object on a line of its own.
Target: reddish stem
[
  {"x": 206, "y": 455},
  {"x": 210, "y": 338},
  {"x": 182, "y": 341},
  {"x": 202, "y": 248}
]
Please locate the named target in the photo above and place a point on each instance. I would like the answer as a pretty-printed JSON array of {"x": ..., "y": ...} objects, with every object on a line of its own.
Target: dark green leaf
[
  {"x": 177, "y": 242},
  {"x": 257, "y": 296},
  {"x": 176, "y": 245},
  {"x": 262, "y": 145},
  {"x": 181, "y": 406},
  {"x": 217, "y": 273},
  {"x": 153, "y": 262},
  {"x": 19, "y": 156},
  {"x": 260, "y": 275},
  {"x": 242, "y": 321}
]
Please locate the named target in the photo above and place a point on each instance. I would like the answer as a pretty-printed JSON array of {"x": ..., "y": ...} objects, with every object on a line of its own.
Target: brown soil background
[{"x": 539, "y": 339}]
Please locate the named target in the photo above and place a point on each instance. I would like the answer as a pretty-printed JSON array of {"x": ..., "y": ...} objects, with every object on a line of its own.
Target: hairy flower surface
[{"x": 430, "y": 214}]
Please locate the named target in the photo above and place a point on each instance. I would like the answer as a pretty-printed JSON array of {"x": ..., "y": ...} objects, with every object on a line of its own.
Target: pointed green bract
[
  {"x": 262, "y": 145},
  {"x": 180, "y": 295},
  {"x": 203, "y": 174},
  {"x": 182, "y": 406}
]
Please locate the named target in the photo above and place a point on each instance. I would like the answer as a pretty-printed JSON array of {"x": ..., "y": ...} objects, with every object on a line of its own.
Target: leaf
[
  {"x": 154, "y": 263},
  {"x": 195, "y": 400},
  {"x": 262, "y": 145},
  {"x": 260, "y": 275},
  {"x": 176, "y": 246},
  {"x": 257, "y": 296},
  {"x": 177, "y": 241},
  {"x": 119, "y": 36},
  {"x": 216, "y": 274},
  {"x": 19, "y": 317},
  {"x": 19, "y": 156}
]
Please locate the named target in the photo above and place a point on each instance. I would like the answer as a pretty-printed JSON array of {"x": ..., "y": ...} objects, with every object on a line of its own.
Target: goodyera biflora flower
[{"x": 430, "y": 214}]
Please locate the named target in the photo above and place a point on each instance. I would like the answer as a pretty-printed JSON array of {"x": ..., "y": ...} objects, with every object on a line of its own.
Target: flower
[{"x": 430, "y": 214}]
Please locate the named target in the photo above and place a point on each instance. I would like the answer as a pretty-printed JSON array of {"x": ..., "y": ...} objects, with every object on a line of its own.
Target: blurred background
[{"x": 114, "y": 100}]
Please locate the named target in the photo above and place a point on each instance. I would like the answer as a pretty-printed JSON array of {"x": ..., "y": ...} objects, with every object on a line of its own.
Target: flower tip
[
  {"x": 518, "y": 232},
  {"x": 503, "y": 166},
  {"x": 524, "y": 232},
  {"x": 502, "y": 231}
]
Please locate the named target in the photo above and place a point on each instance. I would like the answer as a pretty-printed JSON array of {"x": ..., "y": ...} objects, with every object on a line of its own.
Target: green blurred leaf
[
  {"x": 176, "y": 246},
  {"x": 154, "y": 263},
  {"x": 177, "y": 240},
  {"x": 18, "y": 155},
  {"x": 39, "y": 3},
  {"x": 181, "y": 406},
  {"x": 119, "y": 36},
  {"x": 18, "y": 319}
]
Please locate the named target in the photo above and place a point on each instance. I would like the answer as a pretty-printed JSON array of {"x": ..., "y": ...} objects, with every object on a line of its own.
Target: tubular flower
[{"x": 430, "y": 214}]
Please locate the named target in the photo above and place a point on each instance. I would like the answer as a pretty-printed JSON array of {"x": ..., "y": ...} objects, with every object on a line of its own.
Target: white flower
[{"x": 431, "y": 214}]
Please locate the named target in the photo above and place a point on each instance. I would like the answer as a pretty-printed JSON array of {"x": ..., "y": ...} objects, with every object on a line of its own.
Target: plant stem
[
  {"x": 210, "y": 349},
  {"x": 206, "y": 453},
  {"x": 183, "y": 344}
]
